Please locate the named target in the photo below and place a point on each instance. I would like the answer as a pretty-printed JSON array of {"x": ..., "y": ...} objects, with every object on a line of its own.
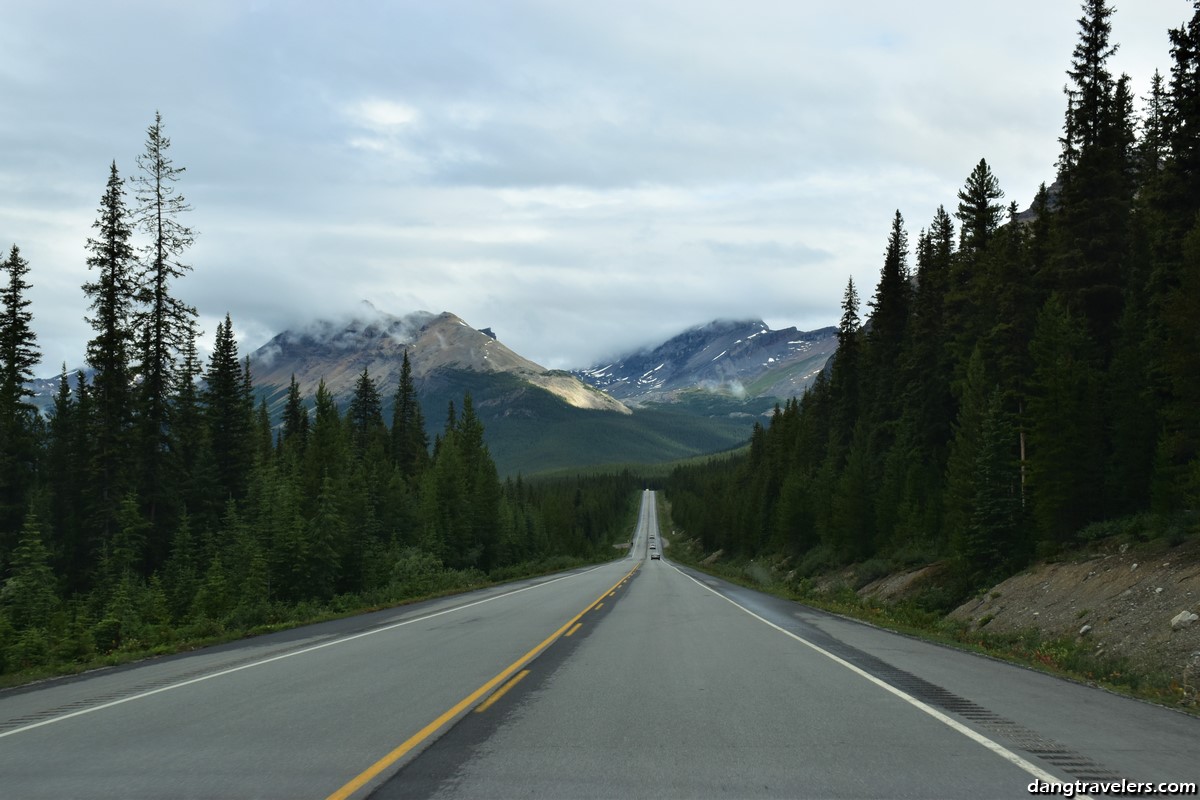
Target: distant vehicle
[{"x": 655, "y": 557}]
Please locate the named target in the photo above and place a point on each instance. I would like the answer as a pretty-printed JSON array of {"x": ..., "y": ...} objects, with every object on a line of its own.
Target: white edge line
[
  {"x": 321, "y": 646},
  {"x": 975, "y": 736}
]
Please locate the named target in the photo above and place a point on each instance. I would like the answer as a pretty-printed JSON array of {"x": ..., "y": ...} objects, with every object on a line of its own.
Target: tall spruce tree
[
  {"x": 994, "y": 539},
  {"x": 977, "y": 210},
  {"x": 410, "y": 442},
  {"x": 1183, "y": 128},
  {"x": 163, "y": 324},
  {"x": 18, "y": 355},
  {"x": 845, "y": 377},
  {"x": 295, "y": 420},
  {"x": 967, "y": 307},
  {"x": 1095, "y": 172},
  {"x": 111, "y": 297},
  {"x": 889, "y": 319},
  {"x": 1066, "y": 458},
  {"x": 229, "y": 414},
  {"x": 365, "y": 417}
]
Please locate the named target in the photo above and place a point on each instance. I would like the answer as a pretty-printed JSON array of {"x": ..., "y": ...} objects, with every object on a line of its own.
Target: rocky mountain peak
[{"x": 742, "y": 358}]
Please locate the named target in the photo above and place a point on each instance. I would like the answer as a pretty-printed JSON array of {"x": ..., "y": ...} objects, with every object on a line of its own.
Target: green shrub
[
  {"x": 31, "y": 649},
  {"x": 817, "y": 561}
]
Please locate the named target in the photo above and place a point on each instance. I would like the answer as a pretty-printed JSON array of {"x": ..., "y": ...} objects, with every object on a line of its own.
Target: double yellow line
[{"x": 461, "y": 706}]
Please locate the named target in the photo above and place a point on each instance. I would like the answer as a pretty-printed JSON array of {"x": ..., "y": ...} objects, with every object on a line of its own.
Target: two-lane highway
[
  {"x": 291, "y": 715},
  {"x": 633, "y": 679}
]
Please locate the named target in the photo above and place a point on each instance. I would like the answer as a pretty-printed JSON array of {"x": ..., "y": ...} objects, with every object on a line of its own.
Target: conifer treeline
[
  {"x": 1037, "y": 373},
  {"x": 156, "y": 502}
]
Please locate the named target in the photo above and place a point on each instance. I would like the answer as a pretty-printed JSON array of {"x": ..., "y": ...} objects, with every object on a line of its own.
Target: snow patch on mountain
[{"x": 741, "y": 358}]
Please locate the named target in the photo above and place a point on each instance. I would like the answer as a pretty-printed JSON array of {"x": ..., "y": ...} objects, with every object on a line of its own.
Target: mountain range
[
  {"x": 337, "y": 352},
  {"x": 743, "y": 359},
  {"x": 699, "y": 392}
]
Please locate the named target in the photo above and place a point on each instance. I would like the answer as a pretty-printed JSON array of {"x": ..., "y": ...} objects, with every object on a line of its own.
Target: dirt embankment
[{"x": 1140, "y": 603}]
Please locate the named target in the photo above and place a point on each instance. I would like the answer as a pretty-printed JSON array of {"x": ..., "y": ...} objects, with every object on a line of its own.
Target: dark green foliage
[
  {"x": 228, "y": 410},
  {"x": 890, "y": 311},
  {"x": 1066, "y": 459},
  {"x": 410, "y": 444},
  {"x": 295, "y": 420},
  {"x": 29, "y": 596},
  {"x": 1042, "y": 377},
  {"x": 977, "y": 212},
  {"x": 155, "y": 506},
  {"x": 110, "y": 419},
  {"x": 163, "y": 328},
  {"x": 1022, "y": 391},
  {"x": 18, "y": 421},
  {"x": 995, "y": 537},
  {"x": 959, "y": 493},
  {"x": 1095, "y": 171},
  {"x": 365, "y": 417}
]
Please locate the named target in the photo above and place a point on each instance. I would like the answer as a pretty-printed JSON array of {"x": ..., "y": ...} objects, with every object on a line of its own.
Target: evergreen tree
[
  {"x": 29, "y": 595},
  {"x": 18, "y": 355},
  {"x": 229, "y": 415},
  {"x": 968, "y": 306},
  {"x": 1182, "y": 194},
  {"x": 65, "y": 471},
  {"x": 844, "y": 382},
  {"x": 181, "y": 573},
  {"x": 889, "y": 319},
  {"x": 994, "y": 540},
  {"x": 977, "y": 210},
  {"x": 1152, "y": 146},
  {"x": 111, "y": 297},
  {"x": 1066, "y": 430},
  {"x": 1177, "y": 471},
  {"x": 192, "y": 466},
  {"x": 410, "y": 443},
  {"x": 365, "y": 416},
  {"x": 927, "y": 398},
  {"x": 325, "y": 542},
  {"x": 1095, "y": 170},
  {"x": 164, "y": 323},
  {"x": 482, "y": 487},
  {"x": 326, "y": 452},
  {"x": 959, "y": 496},
  {"x": 295, "y": 419}
]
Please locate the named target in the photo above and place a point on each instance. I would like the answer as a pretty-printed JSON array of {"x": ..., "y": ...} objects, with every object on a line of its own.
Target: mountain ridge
[
  {"x": 743, "y": 359},
  {"x": 375, "y": 340}
]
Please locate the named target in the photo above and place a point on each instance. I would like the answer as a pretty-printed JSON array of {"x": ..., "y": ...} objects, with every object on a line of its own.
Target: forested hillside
[
  {"x": 156, "y": 504},
  {"x": 1023, "y": 377}
]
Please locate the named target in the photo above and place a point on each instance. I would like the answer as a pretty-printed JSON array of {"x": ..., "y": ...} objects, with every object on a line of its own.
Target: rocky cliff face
[{"x": 338, "y": 351}]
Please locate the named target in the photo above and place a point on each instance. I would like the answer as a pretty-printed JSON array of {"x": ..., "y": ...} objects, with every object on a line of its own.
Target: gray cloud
[{"x": 582, "y": 177}]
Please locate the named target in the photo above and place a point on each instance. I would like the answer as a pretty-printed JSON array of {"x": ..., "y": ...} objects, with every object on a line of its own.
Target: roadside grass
[
  {"x": 208, "y": 633},
  {"x": 924, "y": 618},
  {"x": 416, "y": 581}
]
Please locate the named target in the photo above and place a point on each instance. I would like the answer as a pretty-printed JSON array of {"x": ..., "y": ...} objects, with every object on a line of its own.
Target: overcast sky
[{"x": 583, "y": 177}]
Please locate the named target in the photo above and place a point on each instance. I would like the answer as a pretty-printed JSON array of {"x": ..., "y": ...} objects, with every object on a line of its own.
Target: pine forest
[
  {"x": 1024, "y": 380},
  {"x": 1018, "y": 381}
]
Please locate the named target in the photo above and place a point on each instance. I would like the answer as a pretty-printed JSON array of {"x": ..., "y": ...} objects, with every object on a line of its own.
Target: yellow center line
[
  {"x": 486, "y": 704},
  {"x": 599, "y": 606},
  {"x": 451, "y": 713},
  {"x": 576, "y": 627}
]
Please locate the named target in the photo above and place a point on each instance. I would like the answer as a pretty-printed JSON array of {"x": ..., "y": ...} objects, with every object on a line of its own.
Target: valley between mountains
[{"x": 699, "y": 392}]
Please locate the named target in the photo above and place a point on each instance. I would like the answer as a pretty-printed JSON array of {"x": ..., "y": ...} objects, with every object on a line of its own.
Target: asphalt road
[{"x": 633, "y": 679}]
